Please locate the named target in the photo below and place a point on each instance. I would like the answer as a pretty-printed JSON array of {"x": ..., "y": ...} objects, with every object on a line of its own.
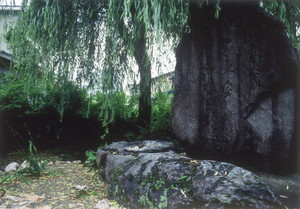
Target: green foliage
[
  {"x": 157, "y": 184},
  {"x": 162, "y": 185},
  {"x": 91, "y": 41},
  {"x": 162, "y": 113},
  {"x": 119, "y": 107},
  {"x": 218, "y": 9},
  {"x": 91, "y": 159},
  {"x": 52, "y": 115},
  {"x": 146, "y": 202},
  {"x": 35, "y": 167},
  {"x": 66, "y": 98},
  {"x": 161, "y": 118},
  {"x": 12, "y": 94},
  {"x": 289, "y": 13},
  {"x": 119, "y": 103},
  {"x": 164, "y": 199},
  {"x": 15, "y": 95}
]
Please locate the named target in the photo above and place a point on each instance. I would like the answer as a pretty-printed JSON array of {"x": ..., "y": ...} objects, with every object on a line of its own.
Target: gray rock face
[
  {"x": 164, "y": 179},
  {"x": 235, "y": 83}
]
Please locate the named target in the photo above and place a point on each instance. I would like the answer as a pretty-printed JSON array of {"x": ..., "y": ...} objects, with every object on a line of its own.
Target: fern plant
[{"x": 91, "y": 159}]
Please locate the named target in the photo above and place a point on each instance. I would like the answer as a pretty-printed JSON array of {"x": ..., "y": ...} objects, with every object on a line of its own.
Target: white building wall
[
  {"x": 9, "y": 10},
  {"x": 4, "y": 21}
]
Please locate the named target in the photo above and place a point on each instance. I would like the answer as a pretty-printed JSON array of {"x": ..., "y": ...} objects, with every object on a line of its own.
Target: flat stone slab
[{"x": 148, "y": 174}]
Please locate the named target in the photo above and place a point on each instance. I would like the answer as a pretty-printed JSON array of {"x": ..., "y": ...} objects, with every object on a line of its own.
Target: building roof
[
  {"x": 10, "y": 7},
  {"x": 13, "y": 5},
  {"x": 6, "y": 55}
]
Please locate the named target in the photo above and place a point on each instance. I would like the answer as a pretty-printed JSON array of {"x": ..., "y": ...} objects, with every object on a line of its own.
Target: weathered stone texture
[
  {"x": 141, "y": 178},
  {"x": 235, "y": 83}
]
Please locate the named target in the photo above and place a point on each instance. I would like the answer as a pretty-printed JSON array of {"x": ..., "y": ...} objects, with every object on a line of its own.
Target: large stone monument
[{"x": 235, "y": 84}]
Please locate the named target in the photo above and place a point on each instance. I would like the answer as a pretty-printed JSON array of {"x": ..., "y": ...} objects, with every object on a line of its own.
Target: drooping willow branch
[{"x": 91, "y": 42}]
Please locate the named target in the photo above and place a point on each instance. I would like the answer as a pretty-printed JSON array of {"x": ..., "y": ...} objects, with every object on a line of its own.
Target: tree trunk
[{"x": 144, "y": 65}]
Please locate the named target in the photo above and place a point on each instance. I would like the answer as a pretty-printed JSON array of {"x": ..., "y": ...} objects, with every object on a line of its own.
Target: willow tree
[
  {"x": 289, "y": 13},
  {"x": 71, "y": 37},
  {"x": 66, "y": 40}
]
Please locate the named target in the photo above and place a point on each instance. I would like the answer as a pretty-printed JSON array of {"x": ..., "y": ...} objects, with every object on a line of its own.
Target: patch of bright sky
[{"x": 11, "y": 2}]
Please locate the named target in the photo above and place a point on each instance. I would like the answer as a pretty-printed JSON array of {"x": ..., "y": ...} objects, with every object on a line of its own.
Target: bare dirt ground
[{"x": 63, "y": 185}]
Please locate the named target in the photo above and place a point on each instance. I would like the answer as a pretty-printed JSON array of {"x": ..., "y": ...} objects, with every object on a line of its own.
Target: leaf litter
[{"x": 63, "y": 185}]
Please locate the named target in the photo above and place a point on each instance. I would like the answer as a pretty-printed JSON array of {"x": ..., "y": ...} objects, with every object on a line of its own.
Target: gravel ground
[{"x": 63, "y": 185}]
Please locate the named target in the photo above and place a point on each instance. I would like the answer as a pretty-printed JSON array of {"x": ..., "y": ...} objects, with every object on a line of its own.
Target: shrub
[
  {"x": 12, "y": 93},
  {"x": 59, "y": 113},
  {"x": 91, "y": 159},
  {"x": 161, "y": 121},
  {"x": 115, "y": 106}
]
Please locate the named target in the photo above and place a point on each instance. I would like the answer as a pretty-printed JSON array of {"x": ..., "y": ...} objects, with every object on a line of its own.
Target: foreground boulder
[
  {"x": 235, "y": 85},
  {"x": 148, "y": 174}
]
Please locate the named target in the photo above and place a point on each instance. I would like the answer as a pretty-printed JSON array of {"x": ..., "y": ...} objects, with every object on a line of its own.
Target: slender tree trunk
[{"x": 144, "y": 65}]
